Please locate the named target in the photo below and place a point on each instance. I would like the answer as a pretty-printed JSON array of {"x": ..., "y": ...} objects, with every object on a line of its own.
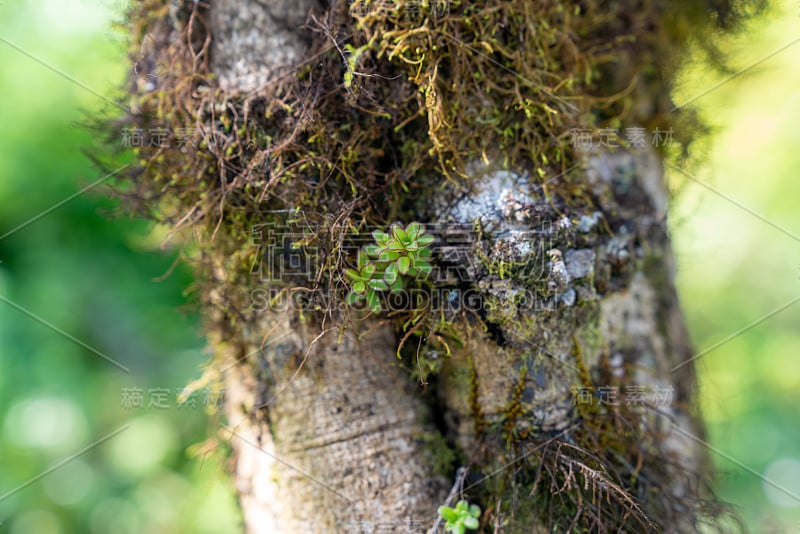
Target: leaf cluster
[
  {"x": 464, "y": 516},
  {"x": 397, "y": 256}
]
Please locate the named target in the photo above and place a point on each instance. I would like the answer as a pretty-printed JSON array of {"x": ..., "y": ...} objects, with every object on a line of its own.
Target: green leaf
[
  {"x": 362, "y": 259},
  {"x": 353, "y": 298},
  {"x": 359, "y": 287},
  {"x": 447, "y": 513},
  {"x": 381, "y": 238},
  {"x": 462, "y": 506},
  {"x": 348, "y": 78},
  {"x": 475, "y": 510},
  {"x": 413, "y": 230},
  {"x": 378, "y": 285},
  {"x": 373, "y": 302},
  {"x": 399, "y": 234},
  {"x": 354, "y": 275},
  {"x": 397, "y": 285},
  {"x": 471, "y": 523},
  {"x": 390, "y": 274},
  {"x": 425, "y": 240},
  {"x": 367, "y": 271},
  {"x": 403, "y": 263},
  {"x": 389, "y": 255},
  {"x": 423, "y": 267},
  {"x": 372, "y": 250}
]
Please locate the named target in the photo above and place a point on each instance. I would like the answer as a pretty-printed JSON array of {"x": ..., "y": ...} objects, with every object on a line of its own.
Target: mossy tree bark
[
  {"x": 566, "y": 394},
  {"x": 327, "y": 431}
]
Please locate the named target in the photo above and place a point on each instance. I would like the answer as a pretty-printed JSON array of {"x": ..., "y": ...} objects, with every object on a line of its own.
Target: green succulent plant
[
  {"x": 464, "y": 516},
  {"x": 386, "y": 265}
]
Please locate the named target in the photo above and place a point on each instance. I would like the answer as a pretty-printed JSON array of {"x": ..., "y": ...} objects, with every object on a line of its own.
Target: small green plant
[
  {"x": 397, "y": 256},
  {"x": 464, "y": 516},
  {"x": 353, "y": 55}
]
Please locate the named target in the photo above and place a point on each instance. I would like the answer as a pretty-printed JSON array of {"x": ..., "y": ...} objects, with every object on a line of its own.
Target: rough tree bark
[
  {"x": 346, "y": 428},
  {"x": 565, "y": 324}
]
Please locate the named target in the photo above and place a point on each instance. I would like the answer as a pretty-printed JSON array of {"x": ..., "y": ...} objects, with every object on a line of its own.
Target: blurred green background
[
  {"x": 93, "y": 277},
  {"x": 736, "y": 234}
]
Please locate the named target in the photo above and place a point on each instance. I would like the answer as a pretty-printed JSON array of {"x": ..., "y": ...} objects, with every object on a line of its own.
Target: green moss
[
  {"x": 412, "y": 84},
  {"x": 590, "y": 338},
  {"x": 443, "y": 455}
]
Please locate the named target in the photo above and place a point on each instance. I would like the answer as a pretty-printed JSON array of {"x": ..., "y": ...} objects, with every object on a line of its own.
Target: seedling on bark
[
  {"x": 390, "y": 263},
  {"x": 464, "y": 516}
]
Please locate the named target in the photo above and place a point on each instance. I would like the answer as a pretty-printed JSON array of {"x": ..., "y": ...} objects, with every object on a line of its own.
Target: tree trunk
[{"x": 567, "y": 393}]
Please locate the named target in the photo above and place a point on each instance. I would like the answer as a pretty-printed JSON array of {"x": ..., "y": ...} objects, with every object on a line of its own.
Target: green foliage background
[
  {"x": 737, "y": 238},
  {"x": 92, "y": 276}
]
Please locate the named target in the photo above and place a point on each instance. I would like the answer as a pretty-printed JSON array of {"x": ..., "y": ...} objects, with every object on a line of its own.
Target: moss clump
[{"x": 405, "y": 96}]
